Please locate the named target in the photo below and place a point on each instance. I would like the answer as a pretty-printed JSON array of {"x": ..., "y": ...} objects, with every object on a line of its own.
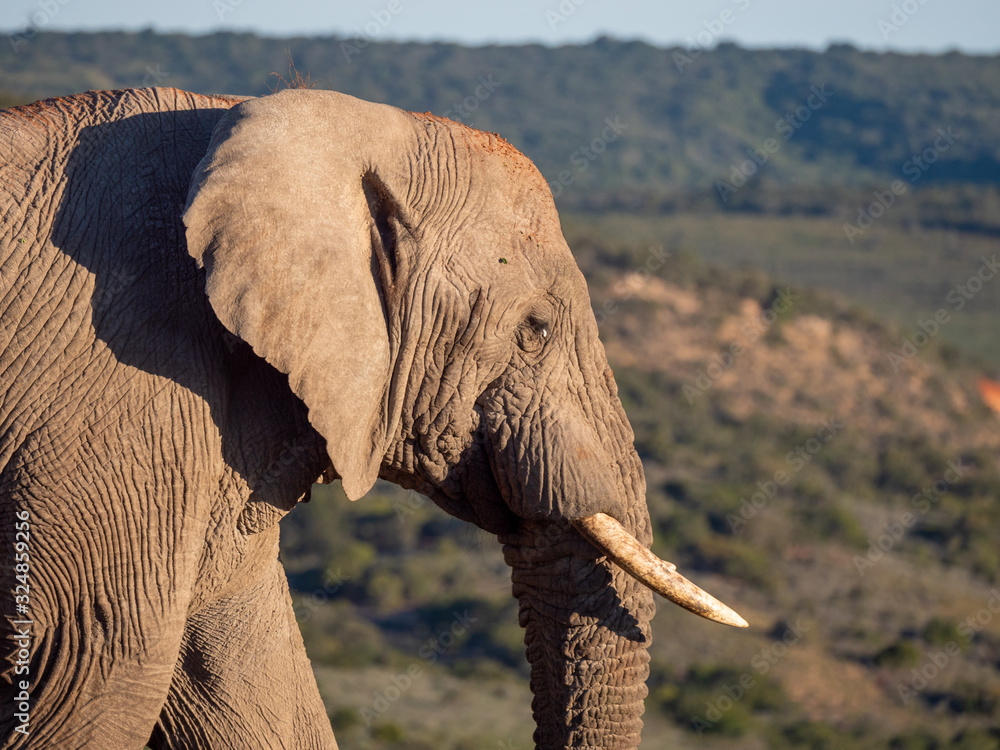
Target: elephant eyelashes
[{"x": 532, "y": 335}]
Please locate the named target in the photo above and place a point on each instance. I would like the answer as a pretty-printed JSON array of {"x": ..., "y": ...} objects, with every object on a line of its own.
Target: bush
[
  {"x": 975, "y": 739},
  {"x": 733, "y": 558},
  {"x": 344, "y": 719},
  {"x": 973, "y": 698},
  {"x": 349, "y": 559},
  {"x": 917, "y": 739},
  {"x": 716, "y": 699},
  {"x": 901, "y": 471},
  {"x": 387, "y": 733},
  {"x": 813, "y": 735},
  {"x": 940, "y": 632},
  {"x": 899, "y": 655},
  {"x": 829, "y": 520},
  {"x": 335, "y": 634}
]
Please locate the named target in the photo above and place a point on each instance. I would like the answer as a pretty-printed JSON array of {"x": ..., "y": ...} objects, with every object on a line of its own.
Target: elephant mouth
[{"x": 611, "y": 538}]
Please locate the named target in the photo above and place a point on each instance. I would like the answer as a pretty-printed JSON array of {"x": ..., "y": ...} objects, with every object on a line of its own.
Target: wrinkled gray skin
[{"x": 358, "y": 322}]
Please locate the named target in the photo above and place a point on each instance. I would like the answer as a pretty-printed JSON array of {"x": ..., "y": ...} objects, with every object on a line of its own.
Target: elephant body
[
  {"x": 149, "y": 594},
  {"x": 208, "y": 303}
]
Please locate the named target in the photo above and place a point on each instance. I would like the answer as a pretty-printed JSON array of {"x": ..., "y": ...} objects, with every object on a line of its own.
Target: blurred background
[{"x": 789, "y": 217}]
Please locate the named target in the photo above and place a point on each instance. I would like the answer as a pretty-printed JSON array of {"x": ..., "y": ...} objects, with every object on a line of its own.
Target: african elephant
[{"x": 207, "y": 303}]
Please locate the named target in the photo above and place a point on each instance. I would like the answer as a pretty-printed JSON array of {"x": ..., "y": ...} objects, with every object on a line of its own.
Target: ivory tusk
[{"x": 609, "y": 536}]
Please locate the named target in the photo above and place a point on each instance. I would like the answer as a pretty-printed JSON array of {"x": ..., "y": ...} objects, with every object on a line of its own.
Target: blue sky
[{"x": 905, "y": 25}]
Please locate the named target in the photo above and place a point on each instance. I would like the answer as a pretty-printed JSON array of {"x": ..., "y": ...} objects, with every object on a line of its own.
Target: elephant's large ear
[{"x": 295, "y": 228}]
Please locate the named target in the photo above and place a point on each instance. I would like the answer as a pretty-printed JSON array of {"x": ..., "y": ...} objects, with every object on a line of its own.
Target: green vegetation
[
  {"x": 844, "y": 118},
  {"x": 869, "y": 574}
]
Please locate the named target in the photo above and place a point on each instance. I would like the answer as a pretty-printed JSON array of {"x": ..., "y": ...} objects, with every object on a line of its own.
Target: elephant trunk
[
  {"x": 587, "y": 627},
  {"x": 581, "y": 567}
]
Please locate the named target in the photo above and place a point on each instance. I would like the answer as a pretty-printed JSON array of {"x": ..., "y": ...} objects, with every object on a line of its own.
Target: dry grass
[{"x": 295, "y": 78}]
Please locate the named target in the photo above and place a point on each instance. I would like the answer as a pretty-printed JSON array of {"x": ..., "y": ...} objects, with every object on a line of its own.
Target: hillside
[
  {"x": 844, "y": 117},
  {"x": 903, "y": 273},
  {"x": 837, "y": 623}
]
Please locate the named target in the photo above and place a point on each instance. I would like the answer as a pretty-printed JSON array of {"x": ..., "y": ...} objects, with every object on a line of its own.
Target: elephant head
[{"x": 410, "y": 276}]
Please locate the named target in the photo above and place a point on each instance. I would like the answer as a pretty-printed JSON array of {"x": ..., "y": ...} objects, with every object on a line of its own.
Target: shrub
[
  {"x": 387, "y": 733},
  {"x": 917, "y": 739},
  {"x": 901, "y": 654},
  {"x": 733, "y": 558},
  {"x": 716, "y": 699},
  {"x": 813, "y": 735},
  {"x": 940, "y": 632},
  {"x": 975, "y": 739},
  {"x": 344, "y": 719}
]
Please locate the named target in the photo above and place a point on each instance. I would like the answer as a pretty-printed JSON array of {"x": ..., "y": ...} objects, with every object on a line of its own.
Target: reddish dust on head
[{"x": 490, "y": 143}]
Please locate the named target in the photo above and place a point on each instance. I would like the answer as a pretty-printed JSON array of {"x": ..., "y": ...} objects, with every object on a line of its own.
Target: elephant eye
[{"x": 532, "y": 335}]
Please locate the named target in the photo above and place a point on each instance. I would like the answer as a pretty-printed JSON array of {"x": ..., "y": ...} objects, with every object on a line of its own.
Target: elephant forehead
[
  {"x": 490, "y": 158},
  {"x": 521, "y": 263},
  {"x": 524, "y": 233},
  {"x": 521, "y": 205},
  {"x": 506, "y": 230}
]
